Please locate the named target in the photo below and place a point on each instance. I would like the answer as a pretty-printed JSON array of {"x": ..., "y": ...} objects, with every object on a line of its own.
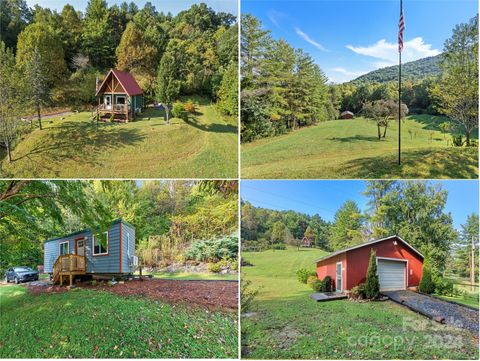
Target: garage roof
[{"x": 368, "y": 244}]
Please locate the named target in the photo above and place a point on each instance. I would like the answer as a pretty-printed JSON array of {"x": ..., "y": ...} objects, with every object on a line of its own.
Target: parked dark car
[{"x": 21, "y": 274}]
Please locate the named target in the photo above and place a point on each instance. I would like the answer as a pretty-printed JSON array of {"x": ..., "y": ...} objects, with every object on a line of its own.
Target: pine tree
[
  {"x": 37, "y": 83},
  {"x": 168, "y": 84},
  {"x": 372, "y": 284}
]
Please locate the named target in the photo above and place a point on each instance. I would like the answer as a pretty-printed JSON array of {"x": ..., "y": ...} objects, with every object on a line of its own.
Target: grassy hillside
[
  {"x": 414, "y": 70},
  {"x": 350, "y": 149},
  {"x": 284, "y": 323},
  {"x": 89, "y": 324},
  {"x": 205, "y": 146}
]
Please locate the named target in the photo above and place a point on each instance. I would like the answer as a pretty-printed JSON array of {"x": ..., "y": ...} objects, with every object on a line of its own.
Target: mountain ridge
[{"x": 413, "y": 70}]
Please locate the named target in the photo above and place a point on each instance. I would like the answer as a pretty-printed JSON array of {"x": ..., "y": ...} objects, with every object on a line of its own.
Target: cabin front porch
[
  {"x": 68, "y": 266},
  {"x": 113, "y": 108}
]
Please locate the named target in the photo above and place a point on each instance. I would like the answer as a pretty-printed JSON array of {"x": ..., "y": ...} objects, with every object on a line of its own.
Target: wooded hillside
[{"x": 414, "y": 70}]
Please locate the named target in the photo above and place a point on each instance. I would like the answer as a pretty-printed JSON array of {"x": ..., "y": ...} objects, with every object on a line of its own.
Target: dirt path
[
  {"x": 452, "y": 314},
  {"x": 222, "y": 295}
]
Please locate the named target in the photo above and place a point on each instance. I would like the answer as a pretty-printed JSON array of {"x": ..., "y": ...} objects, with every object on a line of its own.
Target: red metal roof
[{"x": 128, "y": 82}]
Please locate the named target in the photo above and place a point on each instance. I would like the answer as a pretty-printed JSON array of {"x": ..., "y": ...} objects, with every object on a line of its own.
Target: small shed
[
  {"x": 346, "y": 115},
  {"x": 307, "y": 242},
  {"x": 111, "y": 253},
  {"x": 119, "y": 96},
  {"x": 399, "y": 265}
]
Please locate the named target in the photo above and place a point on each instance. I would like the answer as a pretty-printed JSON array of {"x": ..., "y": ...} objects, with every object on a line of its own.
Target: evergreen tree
[
  {"x": 98, "y": 35},
  {"x": 37, "y": 83},
  {"x": 168, "y": 85},
  {"x": 372, "y": 284},
  {"x": 346, "y": 229},
  {"x": 426, "y": 283}
]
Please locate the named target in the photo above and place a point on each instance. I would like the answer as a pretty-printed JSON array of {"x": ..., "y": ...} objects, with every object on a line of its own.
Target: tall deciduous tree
[
  {"x": 228, "y": 92},
  {"x": 382, "y": 112},
  {"x": 457, "y": 92},
  {"x": 9, "y": 100},
  {"x": 14, "y": 17},
  {"x": 39, "y": 40}
]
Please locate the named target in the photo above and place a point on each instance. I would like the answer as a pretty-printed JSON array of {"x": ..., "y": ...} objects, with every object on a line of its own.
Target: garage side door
[{"x": 391, "y": 275}]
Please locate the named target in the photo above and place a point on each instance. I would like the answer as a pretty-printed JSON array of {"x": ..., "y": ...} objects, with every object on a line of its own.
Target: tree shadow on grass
[
  {"x": 81, "y": 142},
  {"x": 453, "y": 163},
  {"x": 355, "y": 138},
  {"x": 216, "y": 128}
]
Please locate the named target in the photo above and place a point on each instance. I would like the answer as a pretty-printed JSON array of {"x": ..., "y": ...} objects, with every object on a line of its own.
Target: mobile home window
[
  {"x": 128, "y": 244},
  {"x": 100, "y": 244},
  {"x": 63, "y": 248}
]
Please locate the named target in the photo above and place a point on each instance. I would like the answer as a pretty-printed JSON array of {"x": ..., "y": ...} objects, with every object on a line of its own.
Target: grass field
[
  {"x": 88, "y": 324},
  {"x": 285, "y": 324},
  {"x": 350, "y": 149},
  {"x": 205, "y": 146},
  {"x": 469, "y": 298}
]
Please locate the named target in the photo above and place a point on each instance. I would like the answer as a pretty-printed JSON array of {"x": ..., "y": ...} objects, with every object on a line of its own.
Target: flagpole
[{"x": 400, "y": 94}]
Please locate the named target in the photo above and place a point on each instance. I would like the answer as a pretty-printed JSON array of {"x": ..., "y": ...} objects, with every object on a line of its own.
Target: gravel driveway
[{"x": 453, "y": 314}]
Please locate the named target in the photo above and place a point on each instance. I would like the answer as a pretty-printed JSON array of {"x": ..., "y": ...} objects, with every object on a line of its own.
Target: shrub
[
  {"x": 213, "y": 250},
  {"x": 457, "y": 140},
  {"x": 372, "y": 285},
  {"x": 214, "y": 267},
  {"x": 443, "y": 286},
  {"x": 328, "y": 284},
  {"x": 311, "y": 280},
  {"x": 426, "y": 283},
  {"x": 247, "y": 295},
  {"x": 190, "y": 107},
  {"x": 279, "y": 246},
  {"x": 318, "y": 285},
  {"x": 358, "y": 292},
  {"x": 303, "y": 274},
  {"x": 177, "y": 109}
]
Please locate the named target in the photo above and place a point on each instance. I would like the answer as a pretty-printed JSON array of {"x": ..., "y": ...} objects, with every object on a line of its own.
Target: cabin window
[
  {"x": 128, "y": 244},
  {"x": 63, "y": 248},
  {"x": 107, "y": 100},
  {"x": 121, "y": 100},
  {"x": 100, "y": 244}
]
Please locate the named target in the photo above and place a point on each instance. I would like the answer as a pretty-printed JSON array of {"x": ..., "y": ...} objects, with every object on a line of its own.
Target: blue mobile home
[{"x": 83, "y": 253}]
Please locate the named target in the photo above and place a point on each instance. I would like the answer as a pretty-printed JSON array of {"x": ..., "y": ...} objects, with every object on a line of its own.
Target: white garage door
[{"x": 391, "y": 275}]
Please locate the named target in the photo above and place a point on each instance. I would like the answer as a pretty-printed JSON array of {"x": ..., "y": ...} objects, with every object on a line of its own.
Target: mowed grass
[
  {"x": 469, "y": 298},
  {"x": 205, "y": 146},
  {"x": 87, "y": 324},
  {"x": 351, "y": 149},
  {"x": 284, "y": 323}
]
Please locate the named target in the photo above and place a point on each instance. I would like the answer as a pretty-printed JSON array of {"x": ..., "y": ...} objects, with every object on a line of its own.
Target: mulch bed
[{"x": 220, "y": 295}]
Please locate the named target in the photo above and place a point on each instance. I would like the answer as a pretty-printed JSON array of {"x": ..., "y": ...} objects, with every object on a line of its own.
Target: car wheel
[{"x": 17, "y": 281}]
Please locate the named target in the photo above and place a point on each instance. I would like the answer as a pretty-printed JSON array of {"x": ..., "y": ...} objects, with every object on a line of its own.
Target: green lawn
[
  {"x": 350, "y": 149},
  {"x": 285, "y": 324},
  {"x": 196, "y": 276},
  {"x": 205, "y": 146},
  {"x": 87, "y": 324},
  {"x": 470, "y": 298}
]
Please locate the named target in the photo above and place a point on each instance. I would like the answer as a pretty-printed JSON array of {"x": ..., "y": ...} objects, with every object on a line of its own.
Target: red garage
[{"x": 399, "y": 265}]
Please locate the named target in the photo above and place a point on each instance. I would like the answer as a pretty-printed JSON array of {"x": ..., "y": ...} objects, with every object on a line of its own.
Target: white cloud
[
  {"x": 341, "y": 75},
  {"x": 309, "y": 40},
  {"x": 275, "y": 17},
  {"x": 388, "y": 52}
]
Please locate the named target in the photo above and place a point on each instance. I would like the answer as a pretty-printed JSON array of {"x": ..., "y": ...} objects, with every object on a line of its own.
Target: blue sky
[
  {"x": 326, "y": 196},
  {"x": 173, "y": 6},
  {"x": 348, "y": 38}
]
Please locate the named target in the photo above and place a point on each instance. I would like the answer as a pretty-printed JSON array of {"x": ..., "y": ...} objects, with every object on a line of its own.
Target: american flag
[{"x": 401, "y": 28}]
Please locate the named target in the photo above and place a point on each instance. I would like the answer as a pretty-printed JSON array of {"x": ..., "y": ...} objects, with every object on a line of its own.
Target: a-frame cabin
[{"x": 119, "y": 97}]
